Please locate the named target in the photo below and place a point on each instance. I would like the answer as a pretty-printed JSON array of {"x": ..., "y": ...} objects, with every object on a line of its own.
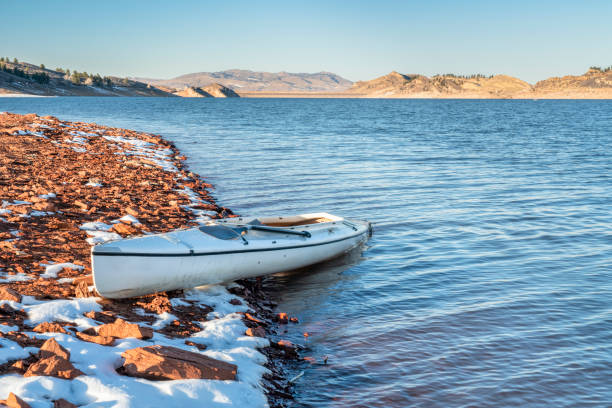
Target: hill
[
  {"x": 396, "y": 85},
  {"x": 252, "y": 81},
  {"x": 29, "y": 79},
  {"x": 210, "y": 91},
  {"x": 596, "y": 83}
]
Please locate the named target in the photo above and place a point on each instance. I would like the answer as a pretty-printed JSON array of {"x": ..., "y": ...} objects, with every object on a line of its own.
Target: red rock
[
  {"x": 14, "y": 401},
  {"x": 81, "y": 290},
  {"x": 157, "y": 304},
  {"x": 88, "y": 279},
  {"x": 256, "y": 332},
  {"x": 20, "y": 209},
  {"x": 53, "y": 366},
  {"x": 51, "y": 348},
  {"x": 104, "y": 317},
  {"x": 282, "y": 318},
  {"x": 285, "y": 343},
  {"x": 9, "y": 294},
  {"x": 102, "y": 340},
  {"x": 288, "y": 348},
  {"x": 235, "y": 302},
  {"x": 122, "y": 329},
  {"x": 62, "y": 403},
  {"x": 171, "y": 363},
  {"x": 252, "y": 318},
  {"x": 131, "y": 211},
  {"x": 44, "y": 206},
  {"x": 49, "y": 327},
  {"x": 198, "y": 345},
  {"x": 19, "y": 365},
  {"x": 81, "y": 204},
  {"x": 294, "y": 320},
  {"x": 124, "y": 229}
]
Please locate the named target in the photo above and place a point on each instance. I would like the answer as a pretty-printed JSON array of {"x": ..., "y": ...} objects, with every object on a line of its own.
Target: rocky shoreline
[{"x": 65, "y": 186}]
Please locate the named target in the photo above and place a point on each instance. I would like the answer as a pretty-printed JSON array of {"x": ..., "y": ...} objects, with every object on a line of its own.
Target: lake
[{"x": 488, "y": 280}]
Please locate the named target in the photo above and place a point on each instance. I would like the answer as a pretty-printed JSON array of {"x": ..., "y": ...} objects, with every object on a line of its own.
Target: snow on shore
[
  {"x": 103, "y": 386},
  {"x": 218, "y": 334}
]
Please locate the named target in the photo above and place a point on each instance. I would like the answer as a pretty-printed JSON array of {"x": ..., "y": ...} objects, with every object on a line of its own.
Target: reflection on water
[{"x": 487, "y": 281}]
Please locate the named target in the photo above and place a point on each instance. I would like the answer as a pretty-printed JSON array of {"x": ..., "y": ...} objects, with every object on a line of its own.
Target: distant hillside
[
  {"x": 220, "y": 91},
  {"x": 29, "y": 79},
  {"x": 210, "y": 91},
  {"x": 440, "y": 86},
  {"x": 24, "y": 78},
  {"x": 251, "y": 81},
  {"x": 596, "y": 83}
]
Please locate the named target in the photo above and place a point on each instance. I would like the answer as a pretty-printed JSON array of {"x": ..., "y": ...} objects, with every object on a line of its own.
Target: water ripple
[{"x": 488, "y": 279}]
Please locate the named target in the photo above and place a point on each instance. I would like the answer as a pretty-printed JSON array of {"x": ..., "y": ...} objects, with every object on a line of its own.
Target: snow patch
[{"x": 51, "y": 271}]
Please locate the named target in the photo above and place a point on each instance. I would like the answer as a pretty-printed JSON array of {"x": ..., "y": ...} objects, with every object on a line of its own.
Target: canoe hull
[{"x": 129, "y": 275}]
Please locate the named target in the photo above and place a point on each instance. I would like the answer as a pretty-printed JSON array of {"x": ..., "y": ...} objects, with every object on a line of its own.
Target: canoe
[{"x": 221, "y": 251}]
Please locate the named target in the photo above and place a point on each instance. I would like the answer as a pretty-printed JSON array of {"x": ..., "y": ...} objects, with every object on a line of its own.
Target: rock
[
  {"x": 19, "y": 365},
  {"x": 124, "y": 229},
  {"x": 131, "y": 212},
  {"x": 7, "y": 310},
  {"x": 14, "y": 401},
  {"x": 294, "y": 320},
  {"x": 102, "y": 340},
  {"x": 122, "y": 329},
  {"x": 81, "y": 290},
  {"x": 53, "y": 366},
  {"x": 81, "y": 205},
  {"x": 51, "y": 347},
  {"x": 157, "y": 304},
  {"x": 49, "y": 327},
  {"x": 62, "y": 403},
  {"x": 288, "y": 348},
  {"x": 88, "y": 279},
  {"x": 171, "y": 363},
  {"x": 104, "y": 317},
  {"x": 235, "y": 302},
  {"x": 283, "y": 318},
  {"x": 256, "y": 332},
  {"x": 286, "y": 344},
  {"x": 22, "y": 339},
  {"x": 44, "y": 206},
  {"x": 252, "y": 318},
  {"x": 198, "y": 345},
  {"x": 9, "y": 294}
]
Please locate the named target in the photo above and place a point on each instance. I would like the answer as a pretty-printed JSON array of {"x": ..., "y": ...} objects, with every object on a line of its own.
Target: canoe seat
[
  {"x": 297, "y": 223},
  {"x": 221, "y": 231}
]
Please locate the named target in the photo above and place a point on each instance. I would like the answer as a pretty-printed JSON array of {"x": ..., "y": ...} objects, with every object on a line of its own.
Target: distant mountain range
[
  {"x": 242, "y": 81},
  {"x": 24, "y": 78}
]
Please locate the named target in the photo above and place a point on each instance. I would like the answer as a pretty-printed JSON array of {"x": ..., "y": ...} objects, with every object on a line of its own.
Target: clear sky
[{"x": 356, "y": 39}]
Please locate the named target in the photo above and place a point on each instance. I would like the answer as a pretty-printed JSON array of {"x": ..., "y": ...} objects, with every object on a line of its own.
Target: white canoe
[{"x": 221, "y": 251}]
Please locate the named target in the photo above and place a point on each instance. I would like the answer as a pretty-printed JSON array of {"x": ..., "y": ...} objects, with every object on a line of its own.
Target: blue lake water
[{"x": 488, "y": 281}]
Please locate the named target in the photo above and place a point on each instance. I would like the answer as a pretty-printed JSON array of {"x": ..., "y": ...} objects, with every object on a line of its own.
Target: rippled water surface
[{"x": 488, "y": 279}]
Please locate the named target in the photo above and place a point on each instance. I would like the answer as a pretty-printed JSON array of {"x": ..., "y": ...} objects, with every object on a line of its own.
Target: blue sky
[{"x": 356, "y": 39}]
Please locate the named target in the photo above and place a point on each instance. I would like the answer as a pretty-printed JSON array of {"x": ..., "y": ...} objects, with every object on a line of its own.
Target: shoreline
[
  {"x": 69, "y": 185},
  {"x": 326, "y": 95}
]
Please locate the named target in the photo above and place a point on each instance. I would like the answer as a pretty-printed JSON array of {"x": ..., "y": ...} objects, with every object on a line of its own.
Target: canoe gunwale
[{"x": 235, "y": 251}]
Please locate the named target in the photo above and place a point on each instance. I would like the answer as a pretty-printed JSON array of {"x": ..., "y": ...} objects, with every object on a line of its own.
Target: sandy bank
[{"x": 65, "y": 186}]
